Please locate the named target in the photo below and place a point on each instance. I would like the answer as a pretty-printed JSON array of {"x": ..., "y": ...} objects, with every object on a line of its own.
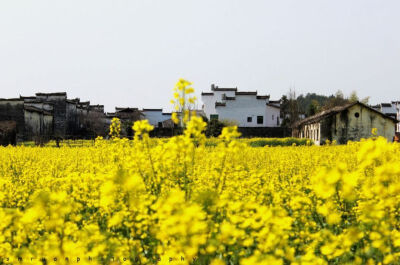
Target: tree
[
  {"x": 95, "y": 124},
  {"x": 313, "y": 108},
  {"x": 336, "y": 100},
  {"x": 304, "y": 102},
  {"x": 284, "y": 111},
  {"x": 289, "y": 109},
  {"x": 353, "y": 97},
  {"x": 293, "y": 107},
  {"x": 214, "y": 128},
  {"x": 365, "y": 100}
]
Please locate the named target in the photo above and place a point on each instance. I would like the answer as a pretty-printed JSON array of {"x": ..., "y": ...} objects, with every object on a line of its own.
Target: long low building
[
  {"x": 52, "y": 115},
  {"x": 349, "y": 122}
]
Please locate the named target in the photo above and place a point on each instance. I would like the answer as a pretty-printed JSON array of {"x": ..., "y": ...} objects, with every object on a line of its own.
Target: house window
[
  {"x": 214, "y": 117},
  {"x": 249, "y": 119},
  {"x": 273, "y": 117},
  {"x": 260, "y": 119},
  {"x": 356, "y": 114},
  {"x": 159, "y": 124}
]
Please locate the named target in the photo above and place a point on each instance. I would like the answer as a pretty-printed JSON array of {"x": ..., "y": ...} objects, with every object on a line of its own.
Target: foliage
[
  {"x": 115, "y": 128},
  {"x": 261, "y": 142},
  {"x": 214, "y": 128},
  {"x": 151, "y": 199},
  {"x": 290, "y": 109},
  {"x": 183, "y": 102},
  {"x": 312, "y": 103},
  {"x": 173, "y": 201}
]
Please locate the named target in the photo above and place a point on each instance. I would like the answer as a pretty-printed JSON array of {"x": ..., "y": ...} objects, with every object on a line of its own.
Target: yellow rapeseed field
[{"x": 176, "y": 201}]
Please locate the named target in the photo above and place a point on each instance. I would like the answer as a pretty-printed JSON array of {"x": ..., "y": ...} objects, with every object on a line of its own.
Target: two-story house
[{"x": 247, "y": 109}]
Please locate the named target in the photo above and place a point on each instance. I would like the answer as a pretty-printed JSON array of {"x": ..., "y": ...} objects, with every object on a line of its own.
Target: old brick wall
[
  {"x": 72, "y": 120},
  {"x": 59, "y": 112}
]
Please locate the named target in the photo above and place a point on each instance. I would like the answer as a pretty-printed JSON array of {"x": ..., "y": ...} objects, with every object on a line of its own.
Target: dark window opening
[
  {"x": 214, "y": 117},
  {"x": 159, "y": 124},
  {"x": 249, "y": 119},
  {"x": 260, "y": 119},
  {"x": 356, "y": 114}
]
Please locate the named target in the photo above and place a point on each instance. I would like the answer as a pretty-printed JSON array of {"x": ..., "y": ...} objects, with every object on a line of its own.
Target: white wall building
[
  {"x": 390, "y": 109},
  {"x": 156, "y": 117},
  {"x": 396, "y": 104},
  {"x": 247, "y": 109}
]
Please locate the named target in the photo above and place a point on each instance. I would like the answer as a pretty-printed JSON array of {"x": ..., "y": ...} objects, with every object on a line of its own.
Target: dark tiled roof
[
  {"x": 30, "y": 97},
  {"x": 273, "y": 105},
  {"x": 127, "y": 110},
  {"x": 152, "y": 109},
  {"x": 246, "y": 93},
  {"x": 224, "y": 89},
  {"x": 207, "y": 93},
  {"x": 216, "y": 88},
  {"x": 263, "y": 97},
  {"x": 72, "y": 101},
  {"x": 386, "y": 105},
  {"x": 40, "y": 101},
  {"x": 11, "y": 99},
  {"x": 124, "y": 108},
  {"x": 220, "y": 104},
  {"x": 275, "y": 101},
  {"x": 52, "y": 94},
  {"x": 34, "y": 109}
]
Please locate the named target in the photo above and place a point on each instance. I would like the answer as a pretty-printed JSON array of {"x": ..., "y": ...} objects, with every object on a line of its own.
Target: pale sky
[{"x": 131, "y": 53}]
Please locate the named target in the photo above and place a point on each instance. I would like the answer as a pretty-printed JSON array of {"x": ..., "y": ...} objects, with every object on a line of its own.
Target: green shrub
[{"x": 261, "y": 142}]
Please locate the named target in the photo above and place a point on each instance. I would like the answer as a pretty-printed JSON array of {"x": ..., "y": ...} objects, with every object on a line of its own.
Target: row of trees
[{"x": 294, "y": 107}]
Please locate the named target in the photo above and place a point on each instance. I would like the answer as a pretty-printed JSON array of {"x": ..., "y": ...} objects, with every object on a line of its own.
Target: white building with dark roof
[
  {"x": 390, "y": 109},
  {"x": 247, "y": 109},
  {"x": 156, "y": 117},
  {"x": 396, "y": 104}
]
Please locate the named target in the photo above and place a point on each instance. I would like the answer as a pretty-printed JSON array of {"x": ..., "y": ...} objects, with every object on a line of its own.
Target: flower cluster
[
  {"x": 115, "y": 128},
  {"x": 183, "y": 102},
  {"x": 179, "y": 201}
]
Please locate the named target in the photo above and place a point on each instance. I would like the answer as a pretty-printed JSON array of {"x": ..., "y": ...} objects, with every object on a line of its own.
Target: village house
[
  {"x": 157, "y": 117},
  {"x": 391, "y": 109},
  {"x": 160, "y": 119},
  {"x": 397, "y": 105},
  {"x": 51, "y": 115},
  {"x": 349, "y": 122},
  {"x": 127, "y": 116},
  {"x": 38, "y": 123},
  {"x": 247, "y": 109}
]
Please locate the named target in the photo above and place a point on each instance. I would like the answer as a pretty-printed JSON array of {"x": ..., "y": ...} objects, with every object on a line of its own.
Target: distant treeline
[{"x": 295, "y": 108}]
